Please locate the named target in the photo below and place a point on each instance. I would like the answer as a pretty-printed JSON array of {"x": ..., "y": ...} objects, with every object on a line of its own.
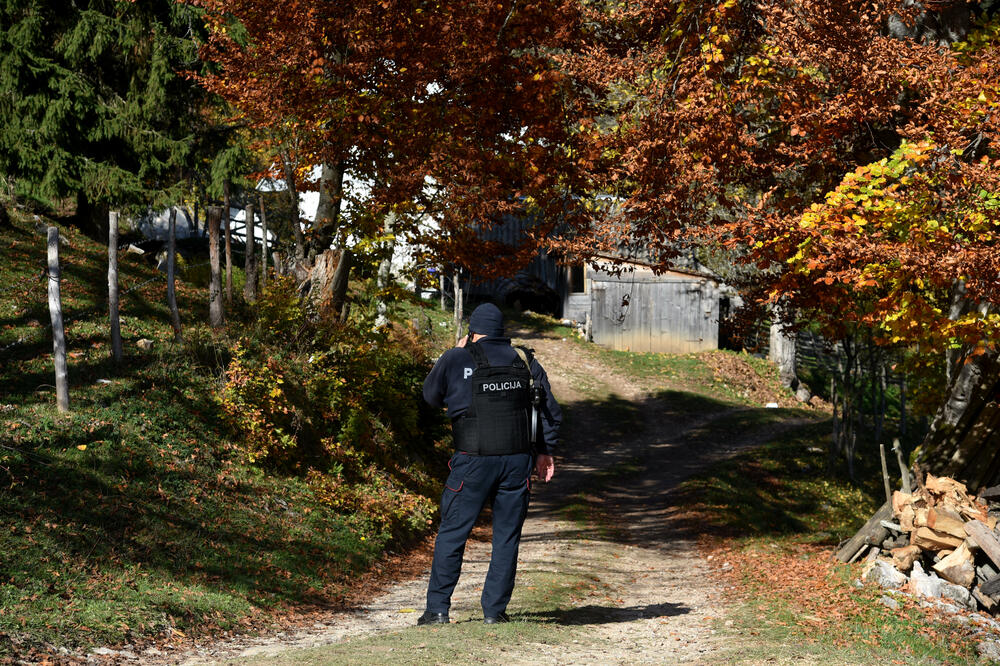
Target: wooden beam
[
  {"x": 984, "y": 600},
  {"x": 991, "y": 587},
  {"x": 985, "y": 539},
  {"x": 991, "y": 493},
  {"x": 871, "y": 533}
]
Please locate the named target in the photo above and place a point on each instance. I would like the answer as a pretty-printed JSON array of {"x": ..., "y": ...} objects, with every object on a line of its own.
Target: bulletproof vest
[{"x": 499, "y": 417}]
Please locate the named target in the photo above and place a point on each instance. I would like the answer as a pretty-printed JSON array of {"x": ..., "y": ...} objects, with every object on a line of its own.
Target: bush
[{"x": 339, "y": 403}]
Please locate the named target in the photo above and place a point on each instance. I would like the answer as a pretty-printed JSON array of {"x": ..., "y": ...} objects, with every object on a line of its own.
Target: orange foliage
[{"x": 454, "y": 108}]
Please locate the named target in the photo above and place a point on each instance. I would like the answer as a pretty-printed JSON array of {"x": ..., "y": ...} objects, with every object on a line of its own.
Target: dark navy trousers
[{"x": 473, "y": 481}]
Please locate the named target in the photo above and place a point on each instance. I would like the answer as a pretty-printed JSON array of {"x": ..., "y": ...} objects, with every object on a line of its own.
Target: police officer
[{"x": 497, "y": 397}]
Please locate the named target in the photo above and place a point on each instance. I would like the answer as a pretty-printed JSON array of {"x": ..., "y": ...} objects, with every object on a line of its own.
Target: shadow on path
[
  {"x": 623, "y": 460},
  {"x": 604, "y": 614}
]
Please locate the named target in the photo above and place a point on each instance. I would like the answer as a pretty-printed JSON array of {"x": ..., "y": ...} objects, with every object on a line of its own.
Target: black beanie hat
[{"x": 486, "y": 320}]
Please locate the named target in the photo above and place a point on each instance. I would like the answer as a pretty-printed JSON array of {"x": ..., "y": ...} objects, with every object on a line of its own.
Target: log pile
[{"x": 941, "y": 542}]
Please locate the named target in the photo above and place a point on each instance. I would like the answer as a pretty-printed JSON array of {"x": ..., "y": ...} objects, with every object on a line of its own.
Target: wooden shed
[
  {"x": 673, "y": 312},
  {"x": 676, "y": 311}
]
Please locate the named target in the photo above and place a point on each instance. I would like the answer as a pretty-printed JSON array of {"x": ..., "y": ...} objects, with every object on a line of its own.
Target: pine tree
[{"x": 93, "y": 102}]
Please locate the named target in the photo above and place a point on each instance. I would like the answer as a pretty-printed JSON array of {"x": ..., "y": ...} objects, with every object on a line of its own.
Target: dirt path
[{"x": 604, "y": 569}]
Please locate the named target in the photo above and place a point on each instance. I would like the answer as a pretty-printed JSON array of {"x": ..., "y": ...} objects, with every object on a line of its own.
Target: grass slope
[{"x": 133, "y": 516}]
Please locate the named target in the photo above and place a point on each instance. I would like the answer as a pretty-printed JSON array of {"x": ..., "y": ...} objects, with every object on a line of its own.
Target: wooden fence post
[
  {"x": 213, "y": 216},
  {"x": 175, "y": 315},
  {"x": 229, "y": 243},
  {"x": 263, "y": 254},
  {"x": 116, "y": 329},
  {"x": 58, "y": 332},
  {"x": 250, "y": 258},
  {"x": 458, "y": 305}
]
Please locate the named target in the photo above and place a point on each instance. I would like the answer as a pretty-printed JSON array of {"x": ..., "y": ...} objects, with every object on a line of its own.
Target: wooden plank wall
[
  {"x": 664, "y": 314},
  {"x": 512, "y": 232}
]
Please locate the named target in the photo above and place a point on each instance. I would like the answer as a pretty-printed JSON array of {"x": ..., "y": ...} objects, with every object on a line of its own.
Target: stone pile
[{"x": 942, "y": 543}]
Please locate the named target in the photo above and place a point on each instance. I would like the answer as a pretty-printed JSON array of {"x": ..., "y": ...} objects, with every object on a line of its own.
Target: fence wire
[{"x": 40, "y": 282}]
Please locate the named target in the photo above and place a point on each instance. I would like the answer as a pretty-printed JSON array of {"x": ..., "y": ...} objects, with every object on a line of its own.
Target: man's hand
[{"x": 545, "y": 467}]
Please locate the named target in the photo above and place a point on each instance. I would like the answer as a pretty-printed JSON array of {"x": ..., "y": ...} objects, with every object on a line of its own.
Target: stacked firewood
[{"x": 941, "y": 542}]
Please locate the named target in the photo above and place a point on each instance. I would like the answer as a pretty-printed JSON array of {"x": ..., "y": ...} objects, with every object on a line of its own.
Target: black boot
[
  {"x": 499, "y": 619},
  {"x": 432, "y": 618}
]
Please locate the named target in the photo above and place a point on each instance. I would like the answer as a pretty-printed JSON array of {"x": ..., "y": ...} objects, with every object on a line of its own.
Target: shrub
[{"x": 339, "y": 403}]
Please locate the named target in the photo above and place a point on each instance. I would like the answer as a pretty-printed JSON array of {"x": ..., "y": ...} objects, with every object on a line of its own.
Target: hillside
[{"x": 139, "y": 514}]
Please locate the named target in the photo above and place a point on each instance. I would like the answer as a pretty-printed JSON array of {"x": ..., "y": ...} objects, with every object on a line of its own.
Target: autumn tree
[
  {"x": 457, "y": 107},
  {"x": 847, "y": 148}
]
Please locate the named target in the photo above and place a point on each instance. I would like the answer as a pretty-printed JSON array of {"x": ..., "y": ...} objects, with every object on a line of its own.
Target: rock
[
  {"x": 892, "y": 543},
  {"x": 989, "y": 651},
  {"x": 986, "y": 620},
  {"x": 152, "y": 652},
  {"x": 882, "y": 573},
  {"x": 938, "y": 605},
  {"x": 958, "y": 594},
  {"x": 145, "y": 344},
  {"x": 803, "y": 394},
  {"x": 903, "y": 558},
  {"x": 929, "y": 585},
  {"x": 889, "y": 602},
  {"x": 923, "y": 584},
  {"x": 103, "y": 651}
]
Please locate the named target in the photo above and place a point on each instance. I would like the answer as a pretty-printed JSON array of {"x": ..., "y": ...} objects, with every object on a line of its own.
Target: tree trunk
[
  {"x": 331, "y": 195},
  {"x": 213, "y": 217},
  {"x": 4, "y": 218},
  {"x": 902, "y": 405},
  {"x": 384, "y": 277},
  {"x": 250, "y": 258},
  {"x": 960, "y": 305},
  {"x": 341, "y": 277},
  {"x": 942, "y": 26},
  {"x": 782, "y": 348},
  {"x": 228, "y": 220},
  {"x": 91, "y": 218},
  {"x": 263, "y": 236},
  {"x": 964, "y": 438},
  {"x": 293, "y": 195},
  {"x": 175, "y": 315}
]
